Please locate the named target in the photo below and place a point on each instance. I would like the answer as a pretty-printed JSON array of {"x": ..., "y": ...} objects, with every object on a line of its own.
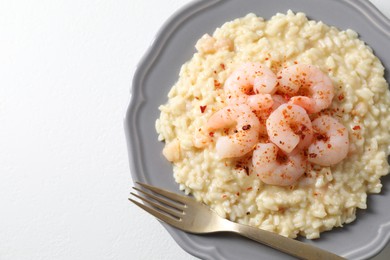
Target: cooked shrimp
[
  {"x": 331, "y": 142},
  {"x": 260, "y": 102},
  {"x": 312, "y": 88},
  {"x": 244, "y": 130},
  {"x": 172, "y": 151},
  {"x": 209, "y": 44},
  {"x": 206, "y": 44},
  {"x": 263, "y": 114},
  {"x": 251, "y": 79},
  {"x": 278, "y": 100},
  {"x": 277, "y": 168},
  {"x": 289, "y": 127}
]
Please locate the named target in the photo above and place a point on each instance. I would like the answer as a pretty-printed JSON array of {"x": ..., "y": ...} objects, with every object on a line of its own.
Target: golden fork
[{"x": 191, "y": 216}]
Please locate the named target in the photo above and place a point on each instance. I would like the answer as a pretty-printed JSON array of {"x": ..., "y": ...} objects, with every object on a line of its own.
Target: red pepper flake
[
  {"x": 250, "y": 188},
  {"x": 202, "y": 108},
  {"x": 312, "y": 155},
  {"x": 238, "y": 194},
  {"x": 211, "y": 134},
  {"x": 321, "y": 137},
  {"x": 246, "y": 127},
  {"x": 217, "y": 84},
  {"x": 341, "y": 97},
  {"x": 356, "y": 127},
  {"x": 222, "y": 66},
  {"x": 329, "y": 146}
]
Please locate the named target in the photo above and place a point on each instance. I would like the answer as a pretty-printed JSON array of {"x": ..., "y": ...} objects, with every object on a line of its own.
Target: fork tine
[
  {"x": 165, "y": 218},
  {"x": 169, "y": 203},
  {"x": 174, "y": 213},
  {"x": 170, "y": 195}
]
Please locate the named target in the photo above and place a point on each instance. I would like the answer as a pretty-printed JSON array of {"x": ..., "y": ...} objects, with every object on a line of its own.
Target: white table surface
[{"x": 65, "y": 73}]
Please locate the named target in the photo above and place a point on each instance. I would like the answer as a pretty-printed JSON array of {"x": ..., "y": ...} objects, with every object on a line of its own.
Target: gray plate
[{"x": 158, "y": 71}]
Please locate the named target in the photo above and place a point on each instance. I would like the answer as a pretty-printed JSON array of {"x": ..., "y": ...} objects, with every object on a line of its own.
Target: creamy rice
[{"x": 325, "y": 197}]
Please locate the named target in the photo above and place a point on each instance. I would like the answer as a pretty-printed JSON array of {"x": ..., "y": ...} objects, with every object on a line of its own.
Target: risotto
[{"x": 324, "y": 196}]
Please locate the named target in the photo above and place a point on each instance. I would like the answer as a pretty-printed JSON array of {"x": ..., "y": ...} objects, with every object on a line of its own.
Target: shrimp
[
  {"x": 278, "y": 100},
  {"x": 263, "y": 114},
  {"x": 251, "y": 80},
  {"x": 312, "y": 89},
  {"x": 331, "y": 142},
  {"x": 260, "y": 102},
  {"x": 288, "y": 127},
  {"x": 276, "y": 168},
  {"x": 209, "y": 44},
  {"x": 244, "y": 130}
]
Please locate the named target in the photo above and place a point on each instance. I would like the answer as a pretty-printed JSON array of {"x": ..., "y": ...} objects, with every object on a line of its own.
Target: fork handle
[{"x": 284, "y": 244}]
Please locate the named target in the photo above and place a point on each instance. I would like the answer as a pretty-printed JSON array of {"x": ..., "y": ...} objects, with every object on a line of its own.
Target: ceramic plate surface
[{"x": 158, "y": 71}]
